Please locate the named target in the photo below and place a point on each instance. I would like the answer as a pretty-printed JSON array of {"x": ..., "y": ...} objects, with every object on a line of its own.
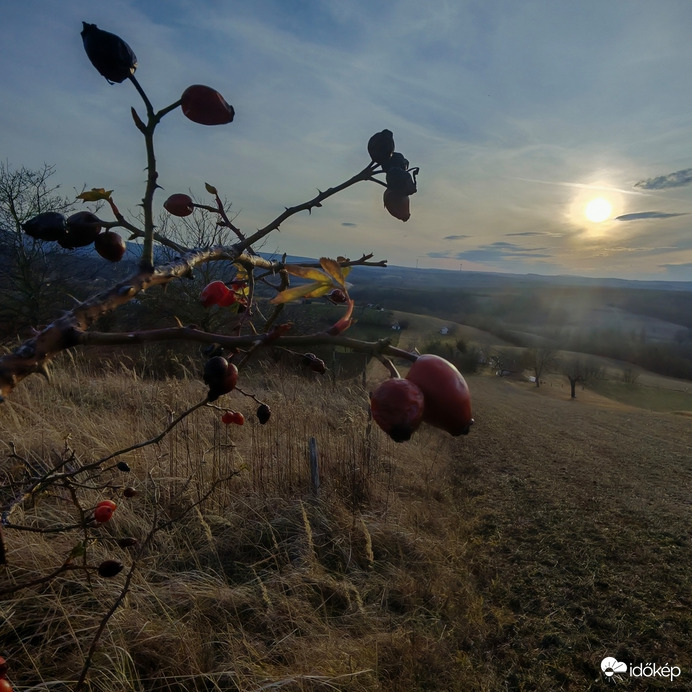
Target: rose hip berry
[
  {"x": 447, "y": 398},
  {"x": 214, "y": 293},
  {"x": 263, "y": 413},
  {"x": 233, "y": 417},
  {"x": 397, "y": 407},
  {"x": 179, "y": 205},
  {"x": 205, "y": 106}
]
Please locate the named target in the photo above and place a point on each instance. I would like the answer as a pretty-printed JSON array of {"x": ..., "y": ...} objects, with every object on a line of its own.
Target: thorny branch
[{"x": 69, "y": 330}]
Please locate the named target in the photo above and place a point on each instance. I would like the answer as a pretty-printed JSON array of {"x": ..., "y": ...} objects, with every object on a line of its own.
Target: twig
[
  {"x": 382, "y": 346},
  {"x": 156, "y": 526},
  {"x": 393, "y": 372},
  {"x": 151, "y": 441},
  {"x": 364, "y": 175},
  {"x": 41, "y": 580},
  {"x": 102, "y": 626}
]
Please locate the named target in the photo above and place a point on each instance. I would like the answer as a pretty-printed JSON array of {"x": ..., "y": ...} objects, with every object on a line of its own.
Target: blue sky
[{"x": 518, "y": 114}]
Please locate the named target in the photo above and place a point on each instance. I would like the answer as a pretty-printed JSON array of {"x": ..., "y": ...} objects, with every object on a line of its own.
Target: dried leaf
[
  {"x": 344, "y": 323},
  {"x": 95, "y": 194},
  {"x": 307, "y": 273},
  {"x": 296, "y": 292},
  {"x": 319, "y": 292},
  {"x": 333, "y": 268},
  {"x": 77, "y": 551}
]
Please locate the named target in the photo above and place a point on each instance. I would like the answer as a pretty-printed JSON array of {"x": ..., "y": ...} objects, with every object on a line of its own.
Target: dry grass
[{"x": 514, "y": 559}]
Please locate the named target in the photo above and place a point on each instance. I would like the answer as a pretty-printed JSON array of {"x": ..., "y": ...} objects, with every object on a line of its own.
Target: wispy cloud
[
  {"x": 456, "y": 237},
  {"x": 647, "y": 215},
  {"x": 494, "y": 252},
  {"x": 582, "y": 186},
  {"x": 348, "y": 224},
  {"x": 663, "y": 182},
  {"x": 526, "y": 234}
]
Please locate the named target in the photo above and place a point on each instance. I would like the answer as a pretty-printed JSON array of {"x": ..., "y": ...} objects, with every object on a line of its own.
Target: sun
[{"x": 598, "y": 209}]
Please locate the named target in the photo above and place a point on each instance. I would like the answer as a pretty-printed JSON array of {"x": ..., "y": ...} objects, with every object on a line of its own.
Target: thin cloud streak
[
  {"x": 637, "y": 216},
  {"x": 586, "y": 186},
  {"x": 664, "y": 182}
]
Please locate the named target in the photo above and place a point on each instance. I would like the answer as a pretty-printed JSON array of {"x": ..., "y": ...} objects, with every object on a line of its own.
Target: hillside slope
[{"x": 581, "y": 517}]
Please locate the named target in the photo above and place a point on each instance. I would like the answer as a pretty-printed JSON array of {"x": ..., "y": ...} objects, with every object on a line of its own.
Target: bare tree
[
  {"x": 629, "y": 375},
  {"x": 181, "y": 298},
  {"x": 504, "y": 360},
  {"x": 30, "y": 287},
  {"x": 580, "y": 370},
  {"x": 539, "y": 359}
]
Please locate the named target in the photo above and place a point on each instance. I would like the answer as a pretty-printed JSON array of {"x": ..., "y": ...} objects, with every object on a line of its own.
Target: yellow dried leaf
[
  {"x": 95, "y": 194},
  {"x": 307, "y": 273},
  {"x": 296, "y": 292},
  {"x": 322, "y": 290},
  {"x": 333, "y": 268}
]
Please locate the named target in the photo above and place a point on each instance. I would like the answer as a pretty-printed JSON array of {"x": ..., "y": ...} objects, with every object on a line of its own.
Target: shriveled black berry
[
  {"x": 263, "y": 413},
  {"x": 109, "y": 568},
  {"x": 381, "y": 146},
  {"x": 396, "y": 160},
  {"x": 400, "y": 181},
  {"x": 108, "y": 53},
  {"x": 47, "y": 226},
  {"x": 215, "y": 370}
]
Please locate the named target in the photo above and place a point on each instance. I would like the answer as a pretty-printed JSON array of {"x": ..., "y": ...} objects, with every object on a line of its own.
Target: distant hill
[
  {"x": 656, "y": 310},
  {"x": 436, "y": 278}
]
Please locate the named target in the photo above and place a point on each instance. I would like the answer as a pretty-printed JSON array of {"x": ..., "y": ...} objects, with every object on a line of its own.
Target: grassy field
[
  {"x": 556, "y": 534},
  {"x": 654, "y": 398},
  {"x": 582, "y": 519}
]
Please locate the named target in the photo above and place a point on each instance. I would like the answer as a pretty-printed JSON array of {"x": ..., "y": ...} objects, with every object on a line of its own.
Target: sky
[{"x": 519, "y": 115}]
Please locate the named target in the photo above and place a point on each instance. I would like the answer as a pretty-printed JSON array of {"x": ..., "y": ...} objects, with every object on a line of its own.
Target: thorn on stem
[{"x": 42, "y": 369}]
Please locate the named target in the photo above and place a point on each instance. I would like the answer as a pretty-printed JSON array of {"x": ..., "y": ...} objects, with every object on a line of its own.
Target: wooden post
[{"x": 314, "y": 468}]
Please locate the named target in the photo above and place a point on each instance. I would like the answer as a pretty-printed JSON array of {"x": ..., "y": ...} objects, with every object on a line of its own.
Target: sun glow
[{"x": 598, "y": 209}]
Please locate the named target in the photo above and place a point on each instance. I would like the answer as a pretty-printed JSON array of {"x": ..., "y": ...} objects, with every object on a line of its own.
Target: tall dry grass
[
  {"x": 555, "y": 534},
  {"x": 262, "y": 584}
]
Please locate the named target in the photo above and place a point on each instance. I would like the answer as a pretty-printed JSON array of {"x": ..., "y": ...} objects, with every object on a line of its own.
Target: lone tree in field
[
  {"x": 539, "y": 359},
  {"x": 250, "y": 330},
  {"x": 579, "y": 370}
]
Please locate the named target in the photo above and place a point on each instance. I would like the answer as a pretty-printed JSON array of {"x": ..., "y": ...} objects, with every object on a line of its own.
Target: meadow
[{"x": 516, "y": 558}]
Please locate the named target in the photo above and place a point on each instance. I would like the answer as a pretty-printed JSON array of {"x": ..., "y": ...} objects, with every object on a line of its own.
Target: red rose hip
[
  {"x": 102, "y": 514},
  {"x": 398, "y": 205},
  {"x": 397, "y": 407},
  {"x": 179, "y": 205},
  {"x": 110, "y": 246},
  {"x": 447, "y": 398},
  {"x": 214, "y": 293},
  {"x": 205, "y": 106}
]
